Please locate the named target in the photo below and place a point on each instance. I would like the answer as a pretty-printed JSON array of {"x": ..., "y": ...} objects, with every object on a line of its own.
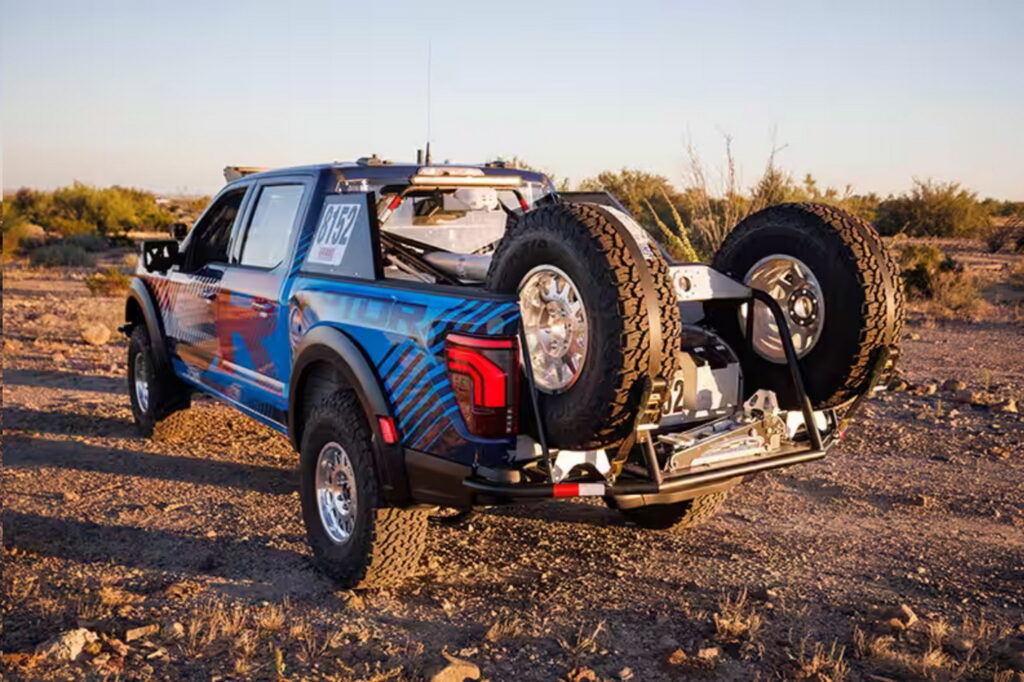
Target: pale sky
[{"x": 163, "y": 95}]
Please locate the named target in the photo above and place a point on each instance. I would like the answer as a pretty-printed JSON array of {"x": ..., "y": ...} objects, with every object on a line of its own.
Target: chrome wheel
[
  {"x": 140, "y": 372},
  {"x": 790, "y": 282},
  {"x": 336, "y": 492},
  {"x": 555, "y": 323}
]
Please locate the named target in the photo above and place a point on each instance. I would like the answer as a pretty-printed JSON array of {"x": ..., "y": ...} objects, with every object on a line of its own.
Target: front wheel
[
  {"x": 676, "y": 517},
  {"x": 154, "y": 390},
  {"x": 355, "y": 539}
]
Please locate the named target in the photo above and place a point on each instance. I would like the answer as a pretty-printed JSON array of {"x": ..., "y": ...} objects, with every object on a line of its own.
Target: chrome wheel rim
[
  {"x": 555, "y": 323},
  {"x": 336, "y": 492},
  {"x": 139, "y": 371},
  {"x": 793, "y": 285}
]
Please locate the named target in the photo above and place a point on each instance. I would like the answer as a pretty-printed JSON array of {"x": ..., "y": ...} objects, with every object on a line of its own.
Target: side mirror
[
  {"x": 179, "y": 231},
  {"x": 160, "y": 255}
]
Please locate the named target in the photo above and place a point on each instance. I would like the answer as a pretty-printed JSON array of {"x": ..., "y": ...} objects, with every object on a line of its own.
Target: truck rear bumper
[{"x": 637, "y": 492}]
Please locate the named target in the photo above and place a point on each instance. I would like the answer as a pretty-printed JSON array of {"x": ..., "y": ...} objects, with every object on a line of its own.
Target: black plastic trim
[
  {"x": 330, "y": 345},
  {"x": 140, "y": 293}
]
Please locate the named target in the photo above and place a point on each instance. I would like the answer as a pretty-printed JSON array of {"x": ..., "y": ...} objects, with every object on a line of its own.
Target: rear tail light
[{"x": 484, "y": 372}]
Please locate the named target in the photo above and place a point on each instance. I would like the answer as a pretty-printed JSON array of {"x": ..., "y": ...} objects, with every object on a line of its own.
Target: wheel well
[
  {"x": 133, "y": 314},
  {"x": 318, "y": 379}
]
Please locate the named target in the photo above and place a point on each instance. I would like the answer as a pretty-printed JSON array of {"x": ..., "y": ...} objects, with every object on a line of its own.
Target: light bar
[{"x": 431, "y": 180}]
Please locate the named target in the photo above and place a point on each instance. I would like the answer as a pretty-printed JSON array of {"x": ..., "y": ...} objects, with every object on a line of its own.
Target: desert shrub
[
  {"x": 66, "y": 255},
  {"x": 934, "y": 209},
  {"x": 82, "y": 209},
  {"x": 1007, "y": 233},
  {"x": 110, "y": 281},
  {"x": 90, "y": 241},
  {"x": 932, "y": 276}
]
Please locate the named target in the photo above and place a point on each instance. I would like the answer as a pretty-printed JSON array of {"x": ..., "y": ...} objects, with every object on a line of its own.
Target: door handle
[{"x": 262, "y": 305}]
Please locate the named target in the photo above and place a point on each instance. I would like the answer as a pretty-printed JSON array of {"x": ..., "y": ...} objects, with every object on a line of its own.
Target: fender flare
[
  {"x": 332, "y": 346},
  {"x": 140, "y": 294}
]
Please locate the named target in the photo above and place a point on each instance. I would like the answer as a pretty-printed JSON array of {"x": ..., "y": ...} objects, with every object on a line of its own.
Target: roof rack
[{"x": 232, "y": 173}]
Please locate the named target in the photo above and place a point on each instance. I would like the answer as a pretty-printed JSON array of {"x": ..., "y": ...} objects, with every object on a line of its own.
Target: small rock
[
  {"x": 709, "y": 653},
  {"x": 914, "y": 336},
  {"x": 953, "y": 385},
  {"x": 909, "y": 617},
  {"x": 929, "y": 389},
  {"x": 1009, "y": 406},
  {"x": 454, "y": 670},
  {"x": 626, "y": 674},
  {"x": 66, "y": 646},
  {"x": 677, "y": 657},
  {"x": 141, "y": 631},
  {"x": 48, "y": 320},
  {"x": 116, "y": 645},
  {"x": 95, "y": 334},
  {"x": 962, "y": 644},
  {"x": 922, "y": 501},
  {"x": 59, "y": 359},
  {"x": 897, "y": 385},
  {"x": 172, "y": 630},
  {"x": 70, "y": 496}
]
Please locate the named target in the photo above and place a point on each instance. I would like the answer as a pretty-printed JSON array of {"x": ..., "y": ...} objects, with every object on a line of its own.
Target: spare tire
[
  {"x": 579, "y": 271},
  {"x": 838, "y": 287}
]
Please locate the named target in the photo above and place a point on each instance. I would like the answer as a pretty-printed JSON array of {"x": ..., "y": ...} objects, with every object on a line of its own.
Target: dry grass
[
  {"x": 933, "y": 650},
  {"x": 816, "y": 662},
  {"x": 583, "y": 643},
  {"x": 506, "y": 628},
  {"x": 110, "y": 281},
  {"x": 736, "y": 619}
]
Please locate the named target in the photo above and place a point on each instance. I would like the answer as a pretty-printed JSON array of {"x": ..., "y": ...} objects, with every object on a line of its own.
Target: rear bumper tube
[{"x": 669, "y": 485}]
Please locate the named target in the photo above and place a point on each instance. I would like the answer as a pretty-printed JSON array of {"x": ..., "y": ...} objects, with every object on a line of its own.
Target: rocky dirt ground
[{"x": 900, "y": 556}]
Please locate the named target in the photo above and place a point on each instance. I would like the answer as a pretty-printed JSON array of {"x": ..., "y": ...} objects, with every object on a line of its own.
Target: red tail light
[{"x": 484, "y": 372}]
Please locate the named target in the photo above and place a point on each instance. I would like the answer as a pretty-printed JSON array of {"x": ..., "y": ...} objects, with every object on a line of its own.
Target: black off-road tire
[
  {"x": 167, "y": 393},
  {"x": 386, "y": 543},
  {"x": 677, "y": 516},
  {"x": 861, "y": 287},
  {"x": 600, "y": 408}
]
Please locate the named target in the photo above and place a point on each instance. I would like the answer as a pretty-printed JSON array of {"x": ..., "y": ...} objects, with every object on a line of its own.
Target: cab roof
[{"x": 378, "y": 172}]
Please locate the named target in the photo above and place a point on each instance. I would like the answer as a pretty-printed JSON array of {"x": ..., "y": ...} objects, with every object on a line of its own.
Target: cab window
[{"x": 212, "y": 234}]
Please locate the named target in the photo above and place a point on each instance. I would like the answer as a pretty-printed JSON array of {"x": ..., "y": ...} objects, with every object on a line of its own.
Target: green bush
[
  {"x": 66, "y": 255},
  {"x": 930, "y": 275},
  {"x": 933, "y": 209},
  {"x": 90, "y": 241},
  {"x": 80, "y": 209}
]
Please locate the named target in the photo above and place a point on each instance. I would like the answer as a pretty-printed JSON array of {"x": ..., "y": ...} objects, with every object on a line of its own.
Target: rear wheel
[
  {"x": 839, "y": 290},
  {"x": 355, "y": 538},
  {"x": 677, "y": 516},
  {"x": 154, "y": 390},
  {"x": 586, "y": 319}
]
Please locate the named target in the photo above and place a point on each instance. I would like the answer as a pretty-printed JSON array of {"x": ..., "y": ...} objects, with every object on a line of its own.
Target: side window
[
  {"x": 212, "y": 234},
  {"x": 271, "y": 226}
]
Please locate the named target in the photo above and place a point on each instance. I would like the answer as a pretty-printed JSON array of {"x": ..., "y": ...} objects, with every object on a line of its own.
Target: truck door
[
  {"x": 253, "y": 350},
  {"x": 192, "y": 289}
]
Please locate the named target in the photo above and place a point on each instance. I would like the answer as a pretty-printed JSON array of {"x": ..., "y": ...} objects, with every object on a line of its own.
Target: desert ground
[{"x": 899, "y": 556}]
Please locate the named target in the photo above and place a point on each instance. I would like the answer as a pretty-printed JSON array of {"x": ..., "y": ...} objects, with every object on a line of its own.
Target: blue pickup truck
[{"x": 458, "y": 336}]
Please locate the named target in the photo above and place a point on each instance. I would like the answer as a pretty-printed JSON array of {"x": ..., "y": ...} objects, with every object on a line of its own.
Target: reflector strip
[
  {"x": 577, "y": 490},
  {"x": 388, "y": 431}
]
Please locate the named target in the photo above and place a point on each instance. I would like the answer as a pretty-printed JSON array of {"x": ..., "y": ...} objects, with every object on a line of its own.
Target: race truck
[{"x": 442, "y": 336}]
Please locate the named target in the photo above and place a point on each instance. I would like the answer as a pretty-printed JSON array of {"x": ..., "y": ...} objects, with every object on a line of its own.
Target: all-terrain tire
[
  {"x": 166, "y": 392},
  {"x": 386, "y": 543},
  {"x": 600, "y": 408},
  {"x": 676, "y": 516},
  {"x": 861, "y": 287}
]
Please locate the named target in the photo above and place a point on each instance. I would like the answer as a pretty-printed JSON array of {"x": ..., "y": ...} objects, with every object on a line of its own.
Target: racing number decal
[{"x": 332, "y": 234}]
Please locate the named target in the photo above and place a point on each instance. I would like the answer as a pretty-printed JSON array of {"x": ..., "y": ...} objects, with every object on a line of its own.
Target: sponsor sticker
[{"x": 333, "y": 233}]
